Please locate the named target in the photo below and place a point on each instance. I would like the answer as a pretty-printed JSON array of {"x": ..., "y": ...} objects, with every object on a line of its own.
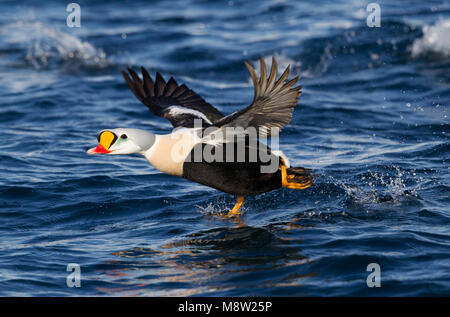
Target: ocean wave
[
  {"x": 434, "y": 42},
  {"x": 44, "y": 43}
]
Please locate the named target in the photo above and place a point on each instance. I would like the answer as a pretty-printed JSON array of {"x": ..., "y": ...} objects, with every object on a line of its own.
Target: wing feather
[
  {"x": 273, "y": 103},
  {"x": 179, "y": 104},
  {"x": 149, "y": 86}
]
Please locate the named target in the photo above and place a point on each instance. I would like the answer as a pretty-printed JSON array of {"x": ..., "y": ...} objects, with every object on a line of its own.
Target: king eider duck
[{"x": 201, "y": 147}]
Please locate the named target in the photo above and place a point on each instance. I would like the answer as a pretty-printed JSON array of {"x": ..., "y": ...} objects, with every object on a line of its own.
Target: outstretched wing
[
  {"x": 272, "y": 104},
  {"x": 179, "y": 104}
]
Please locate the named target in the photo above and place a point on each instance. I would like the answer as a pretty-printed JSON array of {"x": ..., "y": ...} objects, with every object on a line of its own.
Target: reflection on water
[{"x": 219, "y": 256}]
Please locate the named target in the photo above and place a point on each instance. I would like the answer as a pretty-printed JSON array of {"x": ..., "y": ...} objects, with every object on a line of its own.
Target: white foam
[
  {"x": 435, "y": 40},
  {"x": 44, "y": 42}
]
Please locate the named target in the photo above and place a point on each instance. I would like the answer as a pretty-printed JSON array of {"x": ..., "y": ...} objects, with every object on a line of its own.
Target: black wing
[
  {"x": 179, "y": 104},
  {"x": 272, "y": 105}
]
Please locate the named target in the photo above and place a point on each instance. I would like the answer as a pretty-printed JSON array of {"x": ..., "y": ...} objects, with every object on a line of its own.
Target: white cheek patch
[
  {"x": 176, "y": 111},
  {"x": 125, "y": 147}
]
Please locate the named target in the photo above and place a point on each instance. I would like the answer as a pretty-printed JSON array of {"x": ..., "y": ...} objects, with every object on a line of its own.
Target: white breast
[{"x": 169, "y": 151}]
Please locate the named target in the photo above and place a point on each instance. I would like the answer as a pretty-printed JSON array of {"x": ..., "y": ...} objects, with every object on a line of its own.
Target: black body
[{"x": 240, "y": 178}]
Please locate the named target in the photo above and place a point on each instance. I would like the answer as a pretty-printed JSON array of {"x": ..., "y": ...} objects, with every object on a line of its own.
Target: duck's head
[{"x": 123, "y": 141}]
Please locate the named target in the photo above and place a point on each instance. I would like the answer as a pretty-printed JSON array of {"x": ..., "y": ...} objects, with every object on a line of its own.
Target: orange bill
[{"x": 105, "y": 140}]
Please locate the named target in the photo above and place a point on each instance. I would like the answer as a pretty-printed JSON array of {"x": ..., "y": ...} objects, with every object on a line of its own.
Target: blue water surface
[{"x": 372, "y": 122}]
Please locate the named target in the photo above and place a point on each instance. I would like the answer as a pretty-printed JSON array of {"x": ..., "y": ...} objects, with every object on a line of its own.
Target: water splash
[
  {"x": 435, "y": 40},
  {"x": 379, "y": 187},
  {"x": 44, "y": 43},
  {"x": 219, "y": 206}
]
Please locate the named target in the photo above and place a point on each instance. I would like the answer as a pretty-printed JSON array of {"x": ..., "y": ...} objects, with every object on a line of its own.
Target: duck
[{"x": 226, "y": 152}]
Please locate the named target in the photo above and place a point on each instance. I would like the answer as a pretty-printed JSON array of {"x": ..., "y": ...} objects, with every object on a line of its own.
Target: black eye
[{"x": 123, "y": 136}]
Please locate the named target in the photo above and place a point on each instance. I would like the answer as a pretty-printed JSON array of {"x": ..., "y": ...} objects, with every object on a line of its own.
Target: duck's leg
[
  {"x": 235, "y": 211},
  {"x": 297, "y": 182}
]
